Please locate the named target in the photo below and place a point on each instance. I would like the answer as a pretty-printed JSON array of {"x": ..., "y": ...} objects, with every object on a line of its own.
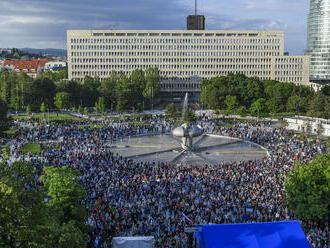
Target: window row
[
  {"x": 171, "y": 47},
  {"x": 121, "y": 54},
  {"x": 171, "y": 60},
  {"x": 181, "y": 67},
  {"x": 176, "y": 41}
]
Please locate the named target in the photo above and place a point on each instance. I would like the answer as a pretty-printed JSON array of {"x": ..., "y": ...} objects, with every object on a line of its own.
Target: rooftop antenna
[{"x": 195, "y": 7}]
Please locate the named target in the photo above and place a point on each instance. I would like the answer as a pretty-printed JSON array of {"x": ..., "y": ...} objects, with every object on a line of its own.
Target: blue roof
[{"x": 284, "y": 234}]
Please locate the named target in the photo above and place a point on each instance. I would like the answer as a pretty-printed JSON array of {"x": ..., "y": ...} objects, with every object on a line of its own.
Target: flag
[{"x": 186, "y": 218}]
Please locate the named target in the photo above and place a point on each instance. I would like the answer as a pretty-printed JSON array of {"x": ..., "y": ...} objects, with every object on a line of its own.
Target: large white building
[{"x": 184, "y": 57}]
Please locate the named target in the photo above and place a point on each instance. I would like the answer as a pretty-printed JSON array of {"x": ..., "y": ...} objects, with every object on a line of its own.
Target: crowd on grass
[{"x": 128, "y": 198}]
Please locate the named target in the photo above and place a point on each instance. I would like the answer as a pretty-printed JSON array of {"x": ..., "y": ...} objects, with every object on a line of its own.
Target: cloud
[{"x": 40, "y": 23}]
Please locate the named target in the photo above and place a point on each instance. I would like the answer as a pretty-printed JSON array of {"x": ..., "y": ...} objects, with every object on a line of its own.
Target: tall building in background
[
  {"x": 184, "y": 57},
  {"x": 318, "y": 41}
]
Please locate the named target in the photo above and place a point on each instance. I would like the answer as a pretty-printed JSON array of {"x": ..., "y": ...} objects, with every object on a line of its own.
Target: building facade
[
  {"x": 318, "y": 40},
  {"x": 55, "y": 65},
  {"x": 185, "y": 58}
]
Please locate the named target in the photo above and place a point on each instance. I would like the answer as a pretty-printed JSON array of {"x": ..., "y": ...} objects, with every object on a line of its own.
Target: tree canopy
[
  {"x": 4, "y": 121},
  {"x": 19, "y": 91},
  {"x": 237, "y": 93},
  {"x": 37, "y": 215},
  {"x": 308, "y": 189}
]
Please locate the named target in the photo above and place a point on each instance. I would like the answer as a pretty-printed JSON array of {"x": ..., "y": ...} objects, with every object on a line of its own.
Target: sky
[{"x": 43, "y": 24}]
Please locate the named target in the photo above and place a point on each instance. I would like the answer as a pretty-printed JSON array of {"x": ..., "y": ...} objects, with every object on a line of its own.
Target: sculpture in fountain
[{"x": 186, "y": 131}]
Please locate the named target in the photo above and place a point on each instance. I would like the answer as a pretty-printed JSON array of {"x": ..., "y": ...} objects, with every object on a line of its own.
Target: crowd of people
[{"x": 128, "y": 198}]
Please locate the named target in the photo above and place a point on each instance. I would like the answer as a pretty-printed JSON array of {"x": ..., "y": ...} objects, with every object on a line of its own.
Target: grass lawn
[
  {"x": 46, "y": 117},
  {"x": 9, "y": 133},
  {"x": 89, "y": 127},
  {"x": 226, "y": 125},
  {"x": 34, "y": 148}
]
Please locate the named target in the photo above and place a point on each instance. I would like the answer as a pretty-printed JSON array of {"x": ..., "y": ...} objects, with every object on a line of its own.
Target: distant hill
[{"x": 46, "y": 51}]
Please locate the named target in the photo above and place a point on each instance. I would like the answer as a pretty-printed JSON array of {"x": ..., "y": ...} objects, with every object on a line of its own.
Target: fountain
[
  {"x": 188, "y": 144},
  {"x": 186, "y": 131},
  {"x": 185, "y": 105}
]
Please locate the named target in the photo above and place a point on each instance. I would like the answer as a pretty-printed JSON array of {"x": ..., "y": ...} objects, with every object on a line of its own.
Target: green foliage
[
  {"x": 231, "y": 103},
  {"x": 279, "y": 97},
  {"x": 56, "y": 75},
  {"x": 120, "y": 107},
  {"x": 189, "y": 116},
  {"x": 4, "y": 120},
  {"x": 28, "y": 109},
  {"x": 27, "y": 220},
  {"x": 171, "y": 111},
  {"x": 86, "y": 111},
  {"x": 259, "y": 108},
  {"x": 41, "y": 90},
  {"x": 139, "y": 107},
  {"x": 308, "y": 189},
  {"x": 18, "y": 91},
  {"x": 79, "y": 109},
  {"x": 99, "y": 105},
  {"x": 65, "y": 192},
  {"x": 43, "y": 107},
  {"x": 62, "y": 100},
  {"x": 23, "y": 213},
  {"x": 152, "y": 88}
]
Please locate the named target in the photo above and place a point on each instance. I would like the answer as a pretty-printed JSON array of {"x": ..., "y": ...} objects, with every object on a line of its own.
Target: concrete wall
[{"x": 298, "y": 123}]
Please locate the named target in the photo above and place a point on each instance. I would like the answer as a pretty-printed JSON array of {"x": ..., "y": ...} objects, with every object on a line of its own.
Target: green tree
[
  {"x": 65, "y": 192},
  {"x": 79, "y": 109},
  {"x": 242, "y": 111},
  {"x": 152, "y": 88},
  {"x": 4, "y": 120},
  {"x": 138, "y": 85},
  {"x": 23, "y": 219},
  {"x": 107, "y": 89},
  {"x": 89, "y": 91},
  {"x": 171, "y": 111},
  {"x": 86, "y": 111},
  {"x": 258, "y": 108},
  {"x": 62, "y": 100},
  {"x": 308, "y": 189},
  {"x": 120, "y": 107},
  {"x": 320, "y": 129},
  {"x": 139, "y": 107},
  {"x": 231, "y": 103},
  {"x": 297, "y": 104},
  {"x": 43, "y": 107},
  {"x": 317, "y": 106},
  {"x": 73, "y": 88},
  {"x": 41, "y": 90},
  {"x": 28, "y": 109},
  {"x": 99, "y": 105},
  {"x": 189, "y": 116},
  {"x": 27, "y": 220}
]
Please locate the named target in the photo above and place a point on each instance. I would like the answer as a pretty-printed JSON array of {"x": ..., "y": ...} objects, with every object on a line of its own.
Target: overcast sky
[{"x": 43, "y": 24}]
